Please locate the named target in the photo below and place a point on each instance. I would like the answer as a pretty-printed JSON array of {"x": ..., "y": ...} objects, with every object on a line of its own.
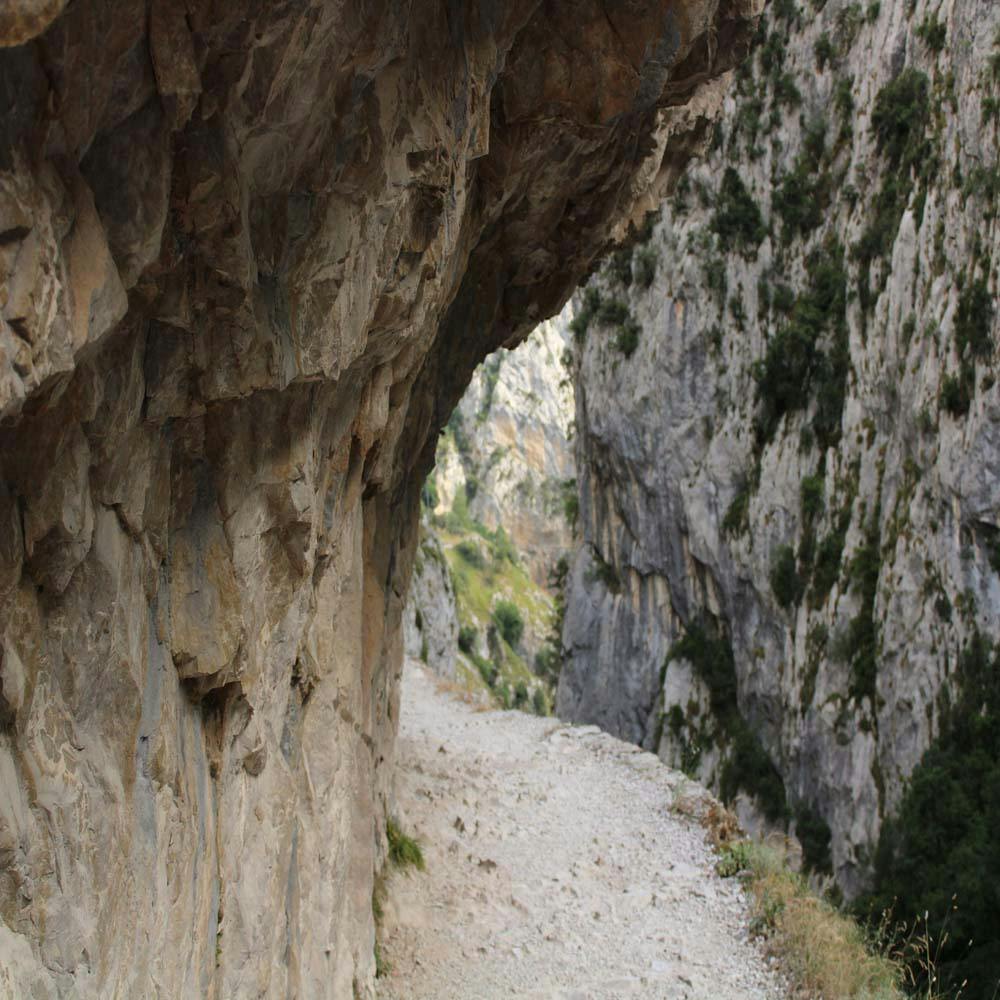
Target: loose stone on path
[{"x": 556, "y": 868}]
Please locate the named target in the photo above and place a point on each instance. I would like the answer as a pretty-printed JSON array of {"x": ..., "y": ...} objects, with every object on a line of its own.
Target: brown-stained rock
[
  {"x": 250, "y": 254},
  {"x": 21, "y": 20}
]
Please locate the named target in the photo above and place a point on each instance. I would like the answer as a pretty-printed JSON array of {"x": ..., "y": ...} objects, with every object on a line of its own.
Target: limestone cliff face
[
  {"x": 503, "y": 464},
  {"x": 430, "y": 620},
  {"x": 250, "y": 254},
  {"x": 508, "y": 447},
  {"x": 796, "y": 465}
]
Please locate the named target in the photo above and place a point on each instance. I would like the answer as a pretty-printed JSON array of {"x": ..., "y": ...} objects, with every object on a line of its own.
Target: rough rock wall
[
  {"x": 250, "y": 255},
  {"x": 430, "y": 620},
  {"x": 797, "y": 466},
  {"x": 509, "y": 449}
]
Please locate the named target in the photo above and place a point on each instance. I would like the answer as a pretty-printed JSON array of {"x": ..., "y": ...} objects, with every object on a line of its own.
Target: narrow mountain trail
[{"x": 559, "y": 866}]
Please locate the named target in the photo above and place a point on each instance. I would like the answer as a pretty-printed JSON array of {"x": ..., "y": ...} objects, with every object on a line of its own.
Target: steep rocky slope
[
  {"x": 788, "y": 432},
  {"x": 250, "y": 255},
  {"x": 495, "y": 526},
  {"x": 507, "y": 448}
]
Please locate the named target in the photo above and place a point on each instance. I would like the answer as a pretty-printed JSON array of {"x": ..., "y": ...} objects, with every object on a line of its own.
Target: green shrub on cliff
[
  {"x": 467, "y": 635},
  {"x": 899, "y": 124},
  {"x": 786, "y": 583},
  {"x": 956, "y": 391},
  {"x": 737, "y": 220},
  {"x": 974, "y": 321},
  {"x": 804, "y": 194},
  {"x": 866, "y": 566},
  {"x": 808, "y": 358},
  {"x": 940, "y": 855},
  {"x": 589, "y": 306},
  {"x": 507, "y": 618},
  {"x": 644, "y": 262},
  {"x": 471, "y": 553}
]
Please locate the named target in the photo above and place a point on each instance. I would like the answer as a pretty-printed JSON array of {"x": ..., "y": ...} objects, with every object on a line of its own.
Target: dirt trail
[{"x": 556, "y": 868}]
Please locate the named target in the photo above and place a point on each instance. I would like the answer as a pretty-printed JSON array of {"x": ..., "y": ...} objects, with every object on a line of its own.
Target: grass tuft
[
  {"x": 825, "y": 952},
  {"x": 404, "y": 851}
]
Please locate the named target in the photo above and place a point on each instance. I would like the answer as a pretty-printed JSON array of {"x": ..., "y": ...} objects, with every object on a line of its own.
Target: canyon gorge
[{"x": 629, "y": 362}]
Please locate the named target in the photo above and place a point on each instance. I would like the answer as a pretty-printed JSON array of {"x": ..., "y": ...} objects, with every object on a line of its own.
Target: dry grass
[
  {"x": 826, "y": 954},
  {"x": 459, "y": 692},
  {"x": 722, "y": 825}
]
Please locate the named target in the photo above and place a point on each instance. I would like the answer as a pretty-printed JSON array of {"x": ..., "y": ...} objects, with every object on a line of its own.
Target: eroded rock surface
[
  {"x": 250, "y": 255},
  {"x": 430, "y": 618}
]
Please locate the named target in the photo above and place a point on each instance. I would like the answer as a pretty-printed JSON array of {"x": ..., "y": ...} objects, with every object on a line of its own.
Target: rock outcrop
[
  {"x": 250, "y": 255},
  {"x": 430, "y": 620},
  {"x": 788, "y": 427}
]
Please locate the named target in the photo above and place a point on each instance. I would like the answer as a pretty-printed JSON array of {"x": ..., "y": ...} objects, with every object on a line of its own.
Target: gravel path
[{"x": 556, "y": 868}]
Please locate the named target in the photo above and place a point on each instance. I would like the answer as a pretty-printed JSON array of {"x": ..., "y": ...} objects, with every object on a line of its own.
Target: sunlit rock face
[
  {"x": 250, "y": 254},
  {"x": 801, "y": 454},
  {"x": 508, "y": 447}
]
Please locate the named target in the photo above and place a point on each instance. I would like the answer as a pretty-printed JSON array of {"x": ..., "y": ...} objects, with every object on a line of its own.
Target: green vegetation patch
[
  {"x": 940, "y": 855},
  {"x": 737, "y": 219},
  {"x": 589, "y": 305},
  {"x": 823, "y": 951},
  {"x": 605, "y": 572},
  {"x": 612, "y": 312},
  {"x": 974, "y": 321},
  {"x": 786, "y": 584},
  {"x": 808, "y": 358},
  {"x": 644, "y": 262},
  {"x": 507, "y": 618},
  {"x": 748, "y": 766},
  {"x": 827, "y": 560},
  {"x": 863, "y": 631},
  {"x": 899, "y": 124},
  {"x": 933, "y": 33},
  {"x": 803, "y": 197},
  {"x": 404, "y": 851},
  {"x": 814, "y": 835}
]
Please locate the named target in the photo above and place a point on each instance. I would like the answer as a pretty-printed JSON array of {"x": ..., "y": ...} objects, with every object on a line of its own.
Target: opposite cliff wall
[
  {"x": 251, "y": 253},
  {"x": 788, "y": 426},
  {"x": 507, "y": 447},
  {"x": 503, "y": 470}
]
